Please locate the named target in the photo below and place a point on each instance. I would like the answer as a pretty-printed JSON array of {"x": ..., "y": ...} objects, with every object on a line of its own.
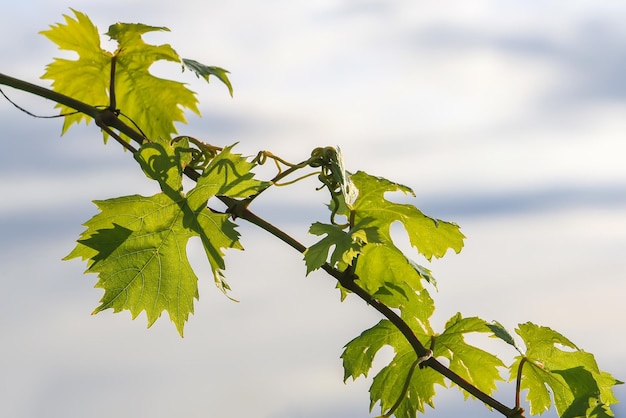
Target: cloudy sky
[{"x": 506, "y": 117}]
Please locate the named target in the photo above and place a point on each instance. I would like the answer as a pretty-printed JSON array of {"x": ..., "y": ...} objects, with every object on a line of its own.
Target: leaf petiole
[
  {"x": 407, "y": 382},
  {"x": 518, "y": 384}
]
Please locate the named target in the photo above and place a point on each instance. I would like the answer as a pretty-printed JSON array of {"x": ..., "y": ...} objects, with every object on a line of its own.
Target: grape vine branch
[{"x": 132, "y": 235}]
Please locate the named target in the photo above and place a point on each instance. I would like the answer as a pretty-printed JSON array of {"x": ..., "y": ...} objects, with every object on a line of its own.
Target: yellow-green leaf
[
  {"x": 347, "y": 245},
  {"x": 579, "y": 388},
  {"x": 148, "y": 102},
  {"x": 86, "y": 78},
  {"x": 431, "y": 237},
  {"x": 138, "y": 245},
  {"x": 475, "y": 365}
]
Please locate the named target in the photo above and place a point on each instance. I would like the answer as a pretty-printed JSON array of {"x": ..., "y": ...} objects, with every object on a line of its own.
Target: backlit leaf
[
  {"x": 138, "y": 244},
  {"x": 475, "y": 365},
  {"x": 347, "y": 245},
  {"x": 579, "y": 388},
  {"x": 416, "y": 306},
  {"x": 382, "y": 262},
  {"x": 359, "y": 353},
  {"x": 86, "y": 78},
  {"x": 388, "y": 385},
  {"x": 430, "y": 236},
  {"x": 152, "y": 103}
]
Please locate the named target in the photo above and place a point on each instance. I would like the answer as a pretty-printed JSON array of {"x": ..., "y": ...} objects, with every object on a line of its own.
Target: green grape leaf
[
  {"x": 383, "y": 262},
  {"x": 358, "y": 354},
  {"x": 416, "y": 306},
  {"x": 390, "y": 384},
  {"x": 148, "y": 270},
  {"x": 205, "y": 71},
  {"x": 137, "y": 244},
  {"x": 400, "y": 387},
  {"x": 154, "y": 104},
  {"x": 477, "y": 366},
  {"x": 416, "y": 309},
  {"x": 86, "y": 78},
  {"x": 579, "y": 387},
  {"x": 424, "y": 273},
  {"x": 431, "y": 237},
  {"x": 228, "y": 174},
  {"x": 347, "y": 245},
  {"x": 340, "y": 176}
]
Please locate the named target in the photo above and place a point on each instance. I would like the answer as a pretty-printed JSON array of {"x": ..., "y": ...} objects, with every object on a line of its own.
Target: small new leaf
[
  {"x": 500, "y": 332},
  {"x": 228, "y": 174},
  {"x": 205, "y": 71},
  {"x": 347, "y": 245},
  {"x": 579, "y": 387},
  {"x": 359, "y": 353}
]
